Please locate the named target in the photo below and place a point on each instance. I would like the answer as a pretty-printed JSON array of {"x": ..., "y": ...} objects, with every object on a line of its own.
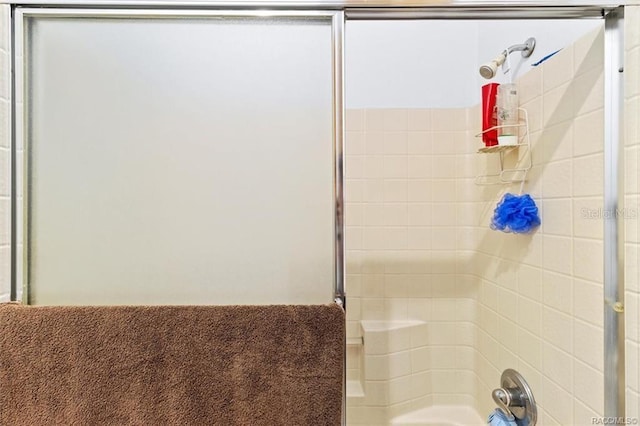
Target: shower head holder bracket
[{"x": 526, "y": 48}]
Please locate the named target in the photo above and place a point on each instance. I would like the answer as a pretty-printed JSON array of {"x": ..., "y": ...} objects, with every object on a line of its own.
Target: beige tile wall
[
  {"x": 419, "y": 246},
  {"x": 540, "y": 306},
  {"x": 632, "y": 207},
  {"x": 406, "y": 256},
  {"x": 5, "y": 157}
]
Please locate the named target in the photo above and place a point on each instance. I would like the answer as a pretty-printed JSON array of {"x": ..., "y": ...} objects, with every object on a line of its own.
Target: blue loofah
[{"x": 516, "y": 213}]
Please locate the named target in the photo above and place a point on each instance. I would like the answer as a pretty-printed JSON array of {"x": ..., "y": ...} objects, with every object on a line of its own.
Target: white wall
[
  {"x": 410, "y": 64},
  {"x": 551, "y": 35},
  {"x": 434, "y": 64}
]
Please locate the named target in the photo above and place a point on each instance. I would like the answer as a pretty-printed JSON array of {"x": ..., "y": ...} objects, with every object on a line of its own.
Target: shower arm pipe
[{"x": 526, "y": 48}]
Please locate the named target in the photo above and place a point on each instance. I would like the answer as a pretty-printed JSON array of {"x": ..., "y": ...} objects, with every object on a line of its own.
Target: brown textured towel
[{"x": 163, "y": 365}]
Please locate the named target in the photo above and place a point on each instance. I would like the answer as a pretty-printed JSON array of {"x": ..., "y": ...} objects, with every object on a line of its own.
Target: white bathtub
[{"x": 440, "y": 415}]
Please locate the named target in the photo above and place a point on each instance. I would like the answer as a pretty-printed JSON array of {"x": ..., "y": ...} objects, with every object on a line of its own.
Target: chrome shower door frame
[{"x": 20, "y": 170}]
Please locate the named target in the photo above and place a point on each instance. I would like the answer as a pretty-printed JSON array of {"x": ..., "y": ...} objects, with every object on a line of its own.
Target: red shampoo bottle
[{"x": 489, "y": 117}]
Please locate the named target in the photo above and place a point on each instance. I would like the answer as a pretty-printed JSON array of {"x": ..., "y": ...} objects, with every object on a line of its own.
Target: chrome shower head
[{"x": 488, "y": 70}]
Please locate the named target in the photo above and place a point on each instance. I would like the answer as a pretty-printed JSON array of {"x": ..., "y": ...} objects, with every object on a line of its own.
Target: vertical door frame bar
[
  {"x": 340, "y": 295},
  {"x": 614, "y": 376},
  {"x": 339, "y": 149},
  {"x": 19, "y": 255}
]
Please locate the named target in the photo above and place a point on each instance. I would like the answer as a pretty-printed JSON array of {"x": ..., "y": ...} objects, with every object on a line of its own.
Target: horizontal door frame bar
[
  {"x": 476, "y": 13},
  {"x": 172, "y": 13},
  {"x": 365, "y": 9}
]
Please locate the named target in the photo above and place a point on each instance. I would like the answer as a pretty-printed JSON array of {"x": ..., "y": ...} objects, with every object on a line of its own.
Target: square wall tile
[
  {"x": 395, "y": 143},
  {"x": 558, "y": 216},
  {"x": 587, "y": 217},
  {"x": 355, "y": 143},
  {"x": 374, "y": 142},
  {"x": 530, "y": 350},
  {"x": 588, "y": 91},
  {"x": 444, "y": 119},
  {"x": 554, "y": 143},
  {"x": 444, "y": 167},
  {"x": 587, "y": 345},
  {"x": 588, "y": 137},
  {"x": 5, "y": 123},
  {"x": 556, "y": 178},
  {"x": 588, "y": 176},
  {"x": 447, "y": 142},
  {"x": 558, "y": 69},
  {"x": 588, "y": 262},
  {"x": 530, "y": 282},
  {"x": 557, "y": 329},
  {"x": 5, "y": 157},
  {"x": 583, "y": 414},
  {"x": 395, "y": 119},
  {"x": 558, "y": 254},
  {"x": 419, "y": 119},
  {"x": 5, "y": 82},
  {"x": 5, "y": 16},
  {"x": 557, "y": 402},
  {"x": 530, "y": 315},
  {"x": 588, "y": 51},
  {"x": 374, "y": 119},
  {"x": 420, "y": 190},
  {"x": 395, "y": 190},
  {"x": 588, "y": 384},
  {"x": 420, "y": 166},
  {"x": 354, "y": 190},
  {"x": 530, "y": 85},
  {"x": 395, "y": 167},
  {"x": 5, "y": 223},
  {"x": 557, "y": 365},
  {"x": 558, "y": 291},
  {"x": 558, "y": 104},
  {"x": 354, "y": 168},
  {"x": 373, "y": 190},
  {"x": 354, "y": 120},
  {"x": 587, "y": 301}
]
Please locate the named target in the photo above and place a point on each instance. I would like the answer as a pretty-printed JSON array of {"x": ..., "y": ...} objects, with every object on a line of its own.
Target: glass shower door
[{"x": 178, "y": 158}]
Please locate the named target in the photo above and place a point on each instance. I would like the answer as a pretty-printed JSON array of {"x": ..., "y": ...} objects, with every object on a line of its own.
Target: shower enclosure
[
  {"x": 195, "y": 154},
  {"x": 443, "y": 304}
]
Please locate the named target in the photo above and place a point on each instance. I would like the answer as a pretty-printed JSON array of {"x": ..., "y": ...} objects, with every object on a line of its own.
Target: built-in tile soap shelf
[
  {"x": 355, "y": 341},
  {"x": 508, "y": 175}
]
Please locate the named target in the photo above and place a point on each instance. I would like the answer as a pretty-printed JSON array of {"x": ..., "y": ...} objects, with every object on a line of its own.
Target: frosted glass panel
[{"x": 179, "y": 161}]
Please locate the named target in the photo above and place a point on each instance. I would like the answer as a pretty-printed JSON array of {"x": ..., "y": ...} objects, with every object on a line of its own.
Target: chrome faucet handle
[
  {"x": 515, "y": 399},
  {"x": 502, "y": 398}
]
